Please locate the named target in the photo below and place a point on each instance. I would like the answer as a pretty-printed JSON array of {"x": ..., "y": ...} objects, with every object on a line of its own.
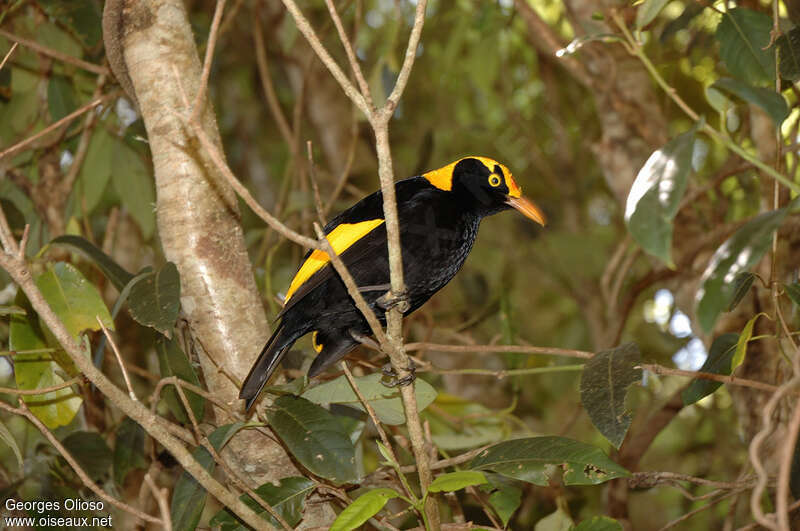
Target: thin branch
[
  {"x": 511, "y": 349},
  {"x": 55, "y": 54},
  {"x": 23, "y": 411},
  {"x": 8, "y": 55},
  {"x": 119, "y": 358},
  {"x": 351, "y": 56},
  {"x": 408, "y": 61},
  {"x": 52, "y": 127},
  {"x": 41, "y": 390},
  {"x": 200, "y": 98},
  {"x": 688, "y": 515},
  {"x": 161, "y": 497},
  {"x": 177, "y": 382},
  {"x": 266, "y": 83}
]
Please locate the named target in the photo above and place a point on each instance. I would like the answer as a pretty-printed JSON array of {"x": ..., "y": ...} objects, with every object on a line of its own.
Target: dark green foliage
[
  {"x": 720, "y": 356},
  {"x": 288, "y": 498}
]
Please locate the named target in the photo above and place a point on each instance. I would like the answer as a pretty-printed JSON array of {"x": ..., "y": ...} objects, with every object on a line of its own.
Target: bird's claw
[
  {"x": 393, "y": 381},
  {"x": 389, "y": 300}
]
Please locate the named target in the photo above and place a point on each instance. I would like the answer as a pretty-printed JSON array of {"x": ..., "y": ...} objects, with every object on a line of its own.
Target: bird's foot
[
  {"x": 389, "y": 300},
  {"x": 364, "y": 339},
  {"x": 393, "y": 381}
]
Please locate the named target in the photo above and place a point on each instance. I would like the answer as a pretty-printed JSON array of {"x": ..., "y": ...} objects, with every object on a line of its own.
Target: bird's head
[{"x": 486, "y": 184}]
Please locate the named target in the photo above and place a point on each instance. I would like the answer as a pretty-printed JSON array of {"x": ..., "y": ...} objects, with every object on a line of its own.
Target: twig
[
  {"x": 177, "y": 382},
  {"x": 41, "y": 390},
  {"x": 688, "y": 515},
  {"x": 50, "y": 128},
  {"x": 119, "y": 358},
  {"x": 732, "y": 380},
  {"x": 452, "y": 461},
  {"x": 751, "y": 527},
  {"x": 199, "y": 101},
  {"x": 511, "y": 349},
  {"x": 653, "y": 478},
  {"x": 266, "y": 83},
  {"x": 312, "y": 175},
  {"x": 501, "y": 374},
  {"x": 160, "y": 496},
  {"x": 55, "y": 54},
  {"x": 8, "y": 55},
  {"x": 83, "y": 143},
  {"x": 351, "y": 56},
  {"x": 23, "y": 411}
]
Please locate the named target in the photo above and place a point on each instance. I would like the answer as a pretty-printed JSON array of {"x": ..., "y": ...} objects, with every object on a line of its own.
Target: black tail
[{"x": 265, "y": 365}]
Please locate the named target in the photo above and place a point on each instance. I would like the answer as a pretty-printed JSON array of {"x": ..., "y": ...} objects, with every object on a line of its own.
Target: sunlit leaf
[
  {"x": 770, "y": 101},
  {"x": 604, "y": 385},
  {"x": 739, "y": 253},
  {"x": 362, "y": 509},
  {"x": 532, "y": 460},
  {"x": 314, "y": 437},
  {"x": 288, "y": 498},
  {"x": 656, "y": 194},
  {"x": 744, "y": 39},
  {"x": 189, "y": 497},
  {"x": 112, "y": 270},
  {"x": 458, "y": 480},
  {"x": 384, "y": 400},
  {"x": 174, "y": 362},
  {"x": 155, "y": 300},
  {"x": 718, "y": 361},
  {"x": 741, "y": 343}
]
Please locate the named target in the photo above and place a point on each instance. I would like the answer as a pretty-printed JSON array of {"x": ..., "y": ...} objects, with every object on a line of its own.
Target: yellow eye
[{"x": 494, "y": 179}]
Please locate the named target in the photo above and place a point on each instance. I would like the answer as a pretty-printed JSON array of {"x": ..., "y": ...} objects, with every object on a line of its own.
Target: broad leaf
[
  {"x": 536, "y": 460},
  {"x": 81, "y": 17},
  {"x": 604, "y": 384},
  {"x": 362, "y": 509},
  {"x": 91, "y": 451},
  {"x": 789, "y": 54},
  {"x": 8, "y": 438},
  {"x": 174, "y": 362},
  {"x": 718, "y": 361},
  {"x": 128, "y": 449},
  {"x": 155, "y": 300},
  {"x": 112, "y": 270},
  {"x": 505, "y": 501},
  {"x": 38, "y": 370},
  {"x": 793, "y": 291},
  {"x": 73, "y": 299},
  {"x": 288, "y": 498},
  {"x": 741, "y": 285},
  {"x": 60, "y": 97},
  {"x": 647, "y": 11},
  {"x": 770, "y": 101},
  {"x": 558, "y": 520},
  {"x": 599, "y": 523},
  {"x": 744, "y": 39},
  {"x": 314, "y": 437},
  {"x": 477, "y": 426},
  {"x": 95, "y": 172},
  {"x": 739, "y": 253},
  {"x": 189, "y": 497},
  {"x": 458, "y": 480},
  {"x": 656, "y": 194},
  {"x": 384, "y": 400},
  {"x": 134, "y": 185}
]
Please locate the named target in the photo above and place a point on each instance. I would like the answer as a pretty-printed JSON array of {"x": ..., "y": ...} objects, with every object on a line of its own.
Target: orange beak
[{"x": 528, "y": 208}]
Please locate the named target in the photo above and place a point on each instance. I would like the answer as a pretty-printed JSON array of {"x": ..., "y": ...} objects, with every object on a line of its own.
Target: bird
[{"x": 439, "y": 213}]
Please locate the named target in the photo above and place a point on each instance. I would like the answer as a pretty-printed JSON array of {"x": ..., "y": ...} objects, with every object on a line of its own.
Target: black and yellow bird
[{"x": 439, "y": 214}]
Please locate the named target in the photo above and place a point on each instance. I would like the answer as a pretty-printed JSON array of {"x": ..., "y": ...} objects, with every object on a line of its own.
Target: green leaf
[
  {"x": 789, "y": 54},
  {"x": 91, "y": 451},
  {"x": 741, "y": 285},
  {"x": 80, "y": 16},
  {"x": 656, "y": 194},
  {"x": 770, "y": 101},
  {"x": 719, "y": 360},
  {"x": 134, "y": 185},
  {"x": 647, "y": 11},
  {"x": 793, "y": 291},
  {"x": 385, "y": 401},
  {"x": 8, "y": 438},
  {"x": 128, "y": 449},
  {"x": 189, "y": 497},
  {"x": 599, "y": 523},
  {"x": 604, "y": 384},
  {"x": 505, "y": 501},
  {"x": 73, "y": 299},
  {"x": 155, "y": 300},
  {"x": 314, "y": 437},
  {"x": 477, "y": 426},
  {"x": 173, "y": 361},
  {"x": 362, "y": 509},
  {"x": 744, "y": 39},
  {"x": 555, "y": 521},
  {"x": 288, "y": 498},
  {"x": 60, "y": 97},
  {"x": 739, "y": 253},
  {"x": 536, "y": 459},
  {"x": 458, "y": 480},
  {"x": 741, "y": 344},
  {"x": 35, "y": 371},
  {"x": 113, "y": 271},
  {"x": 95, "y": 172}
]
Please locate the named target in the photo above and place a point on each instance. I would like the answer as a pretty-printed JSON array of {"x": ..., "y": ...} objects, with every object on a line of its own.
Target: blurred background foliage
[{"x": 483, "y": 84}]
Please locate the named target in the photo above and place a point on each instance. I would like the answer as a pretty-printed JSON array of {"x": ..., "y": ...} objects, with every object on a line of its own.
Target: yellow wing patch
[
  {"x": 340, "y": 238},
  {"x": 443, "y": 177}
]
